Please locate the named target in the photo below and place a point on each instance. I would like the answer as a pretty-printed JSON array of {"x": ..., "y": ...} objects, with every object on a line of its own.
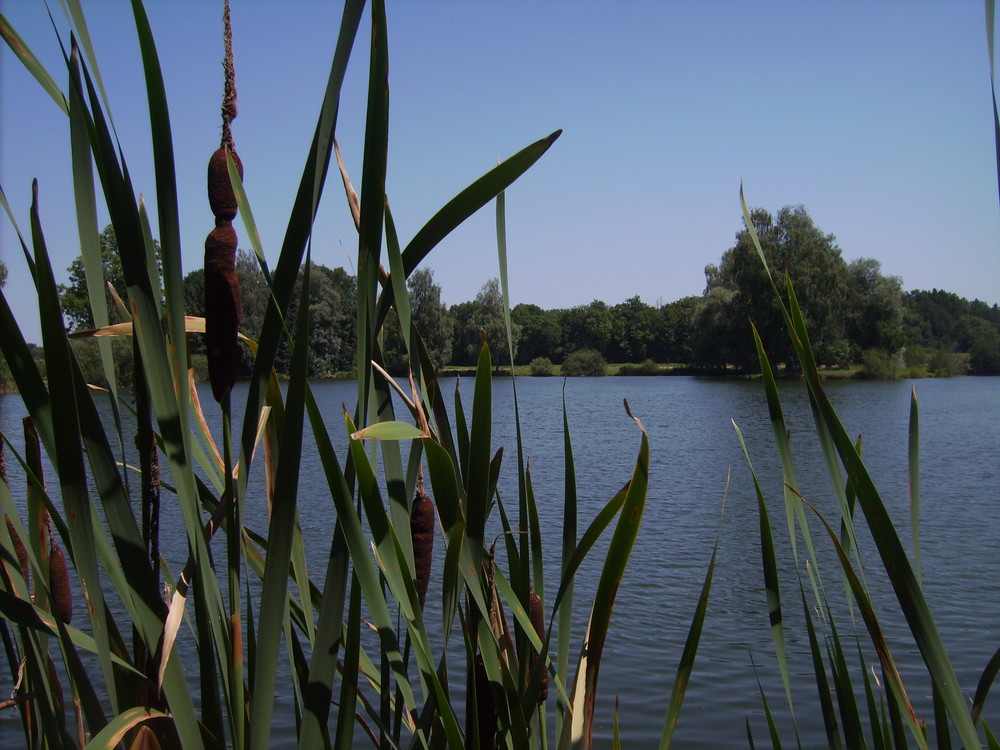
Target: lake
[{"x": 693, "y": 449}]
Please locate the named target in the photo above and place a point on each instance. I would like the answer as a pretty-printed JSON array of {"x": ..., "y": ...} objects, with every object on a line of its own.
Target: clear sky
[{"x": 877, "y": 117}]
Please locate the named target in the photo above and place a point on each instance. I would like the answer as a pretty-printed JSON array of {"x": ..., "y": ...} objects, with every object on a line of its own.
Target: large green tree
[
  {"x": 874, "y": 317},
  {"x": 541, "y": 333},
  {"x": 431, "y": 318},
  {"x": 792, "y": 244},
  {"x": 483, "y": 316},
  {"x": 587, "y": 327},
  {"x": 74, "y": 296},
  {"x": 633, "y": 331}
]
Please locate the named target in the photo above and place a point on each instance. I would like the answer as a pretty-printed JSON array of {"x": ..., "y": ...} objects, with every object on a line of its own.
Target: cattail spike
[
  {"x": 422, "y": 535},
  {"x": 59, "y": 586}
]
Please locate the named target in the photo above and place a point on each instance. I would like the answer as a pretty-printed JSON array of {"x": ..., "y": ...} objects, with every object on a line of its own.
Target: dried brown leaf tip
[
  {"x": 422, "y": 535},
  {"x": 223, "y": 299}
]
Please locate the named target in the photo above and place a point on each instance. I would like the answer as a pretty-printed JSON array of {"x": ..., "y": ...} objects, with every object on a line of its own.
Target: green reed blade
[
  {"x": 344, "y": 738},
  {"x": 329, "y": 629},
  {"x": 300, "y": 222},
  {"x": 372, "y": 210},
  {"x": 991, "y": 740},
  {"x": 913, "y": 467},
  {"x": 683, "y": 676},
  {"x": 68, "y": 457},
  {"x": 568, "y": 550},
  {"x": 984, "y": 685},
  {"x": 894, "y": 558},
  {"x": 168, "y": 216},
  {"x": 585, "y": 682},
  {"x": 942, "y": 731},
  {"x": 274, "y": 591},
  {"x": 850, "y": 716},
  {"x": 990, "y": 40},
  {"x": 901, "y": 702},
  {"x": 770, "y": 571},
  {"x": 32, "y": 63},
  {"x": 477, "y": 477},
  {"x": 90, "y": 250},
  {"x": 876, "y": 709},
  {"x": 830, "y": 723}
]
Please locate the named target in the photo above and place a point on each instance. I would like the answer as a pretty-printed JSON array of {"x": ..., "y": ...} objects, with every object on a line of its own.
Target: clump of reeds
[{"x": 223, "y": 299}]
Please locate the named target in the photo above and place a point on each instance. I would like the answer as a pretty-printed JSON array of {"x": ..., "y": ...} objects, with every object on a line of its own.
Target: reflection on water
[{"x": 693, "y": 452}]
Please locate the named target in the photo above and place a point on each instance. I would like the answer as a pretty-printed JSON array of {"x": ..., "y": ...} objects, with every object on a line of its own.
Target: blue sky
[{"x": 874, "y": 116}]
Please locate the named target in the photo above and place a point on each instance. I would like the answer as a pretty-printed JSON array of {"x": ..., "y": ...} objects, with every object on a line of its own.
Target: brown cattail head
[
  {"x": 422, "y": 535},
  {"x": 223, "y": 309},
  {"x": 59, "y": 586},
  {"x": 19, "y": 549},
  {"x": 538, "y": 623},
  {"x": 221, "y": 197}
]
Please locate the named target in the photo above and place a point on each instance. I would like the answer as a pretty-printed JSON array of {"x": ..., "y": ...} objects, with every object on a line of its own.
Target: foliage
[
  {"x": 360, "y": 659},
  {"x": 75, "y": 296},
  {"x": 649, "y": 367},
  {"x": 431, "y": 318},
  {"x": 584, "y": 363},
  {"x": 480, "y": 320},
  {"x": 884, "y": 715},
  {"x": 542, "y": 367},
  {"x": 541, "y": 333},
  {"x": 878, "y": 365}
]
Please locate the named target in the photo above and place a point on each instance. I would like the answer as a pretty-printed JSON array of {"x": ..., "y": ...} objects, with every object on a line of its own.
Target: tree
[
  {"x": 791, "y": 243},
  {"x": 541, "y": 333},
  {"x": 483, "y": 316},
  {"x": 430, "y": 317},
  {"x": 75, "y": 297},
  {"x": 584, "y": 363},
  {"x": 633, "y": 330},
  {"x": 332, "y": 335},
  {"x": 675, "y": 331},
  {"x": 874, "y": 307},
  {"x": 587, "y": 327}
]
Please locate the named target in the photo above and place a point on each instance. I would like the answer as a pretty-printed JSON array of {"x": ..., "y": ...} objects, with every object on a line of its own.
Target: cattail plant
[
  {"x": 223, "y": 299},
  {"x": 422, "y": 535}
]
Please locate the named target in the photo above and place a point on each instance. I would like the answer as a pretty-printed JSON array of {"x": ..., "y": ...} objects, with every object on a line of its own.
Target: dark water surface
[{"x": 693, "y": 449}]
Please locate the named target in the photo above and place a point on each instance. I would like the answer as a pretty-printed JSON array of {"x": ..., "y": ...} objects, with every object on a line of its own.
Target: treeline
[{"x": 856, "y": 315}]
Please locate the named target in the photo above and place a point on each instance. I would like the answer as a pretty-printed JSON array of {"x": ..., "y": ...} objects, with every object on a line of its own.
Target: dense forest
[{"x": 856, "y": 315}]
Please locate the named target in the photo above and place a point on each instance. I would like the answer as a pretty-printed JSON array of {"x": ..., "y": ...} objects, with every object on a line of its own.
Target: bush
[
  {"x": 584, "y": 363},
  {"x": 915, "y": 356},
  {"x": 542, "y": 367},
  {"x": 649, "y": 367},
  {"x": 878, "y": 365}
]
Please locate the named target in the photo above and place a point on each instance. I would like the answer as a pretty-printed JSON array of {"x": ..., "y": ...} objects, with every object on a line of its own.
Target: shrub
[
  {"x": 915, "y": 356},
  {"x": 542, "y": 367},
  {"x": 649, "y": 367},
  {"x": 878, "y": 365},
  {"x": 584, "y": 363}
]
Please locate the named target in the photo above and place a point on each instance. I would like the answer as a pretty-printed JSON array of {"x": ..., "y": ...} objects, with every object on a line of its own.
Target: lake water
[{"x": 693, "y": 449}]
